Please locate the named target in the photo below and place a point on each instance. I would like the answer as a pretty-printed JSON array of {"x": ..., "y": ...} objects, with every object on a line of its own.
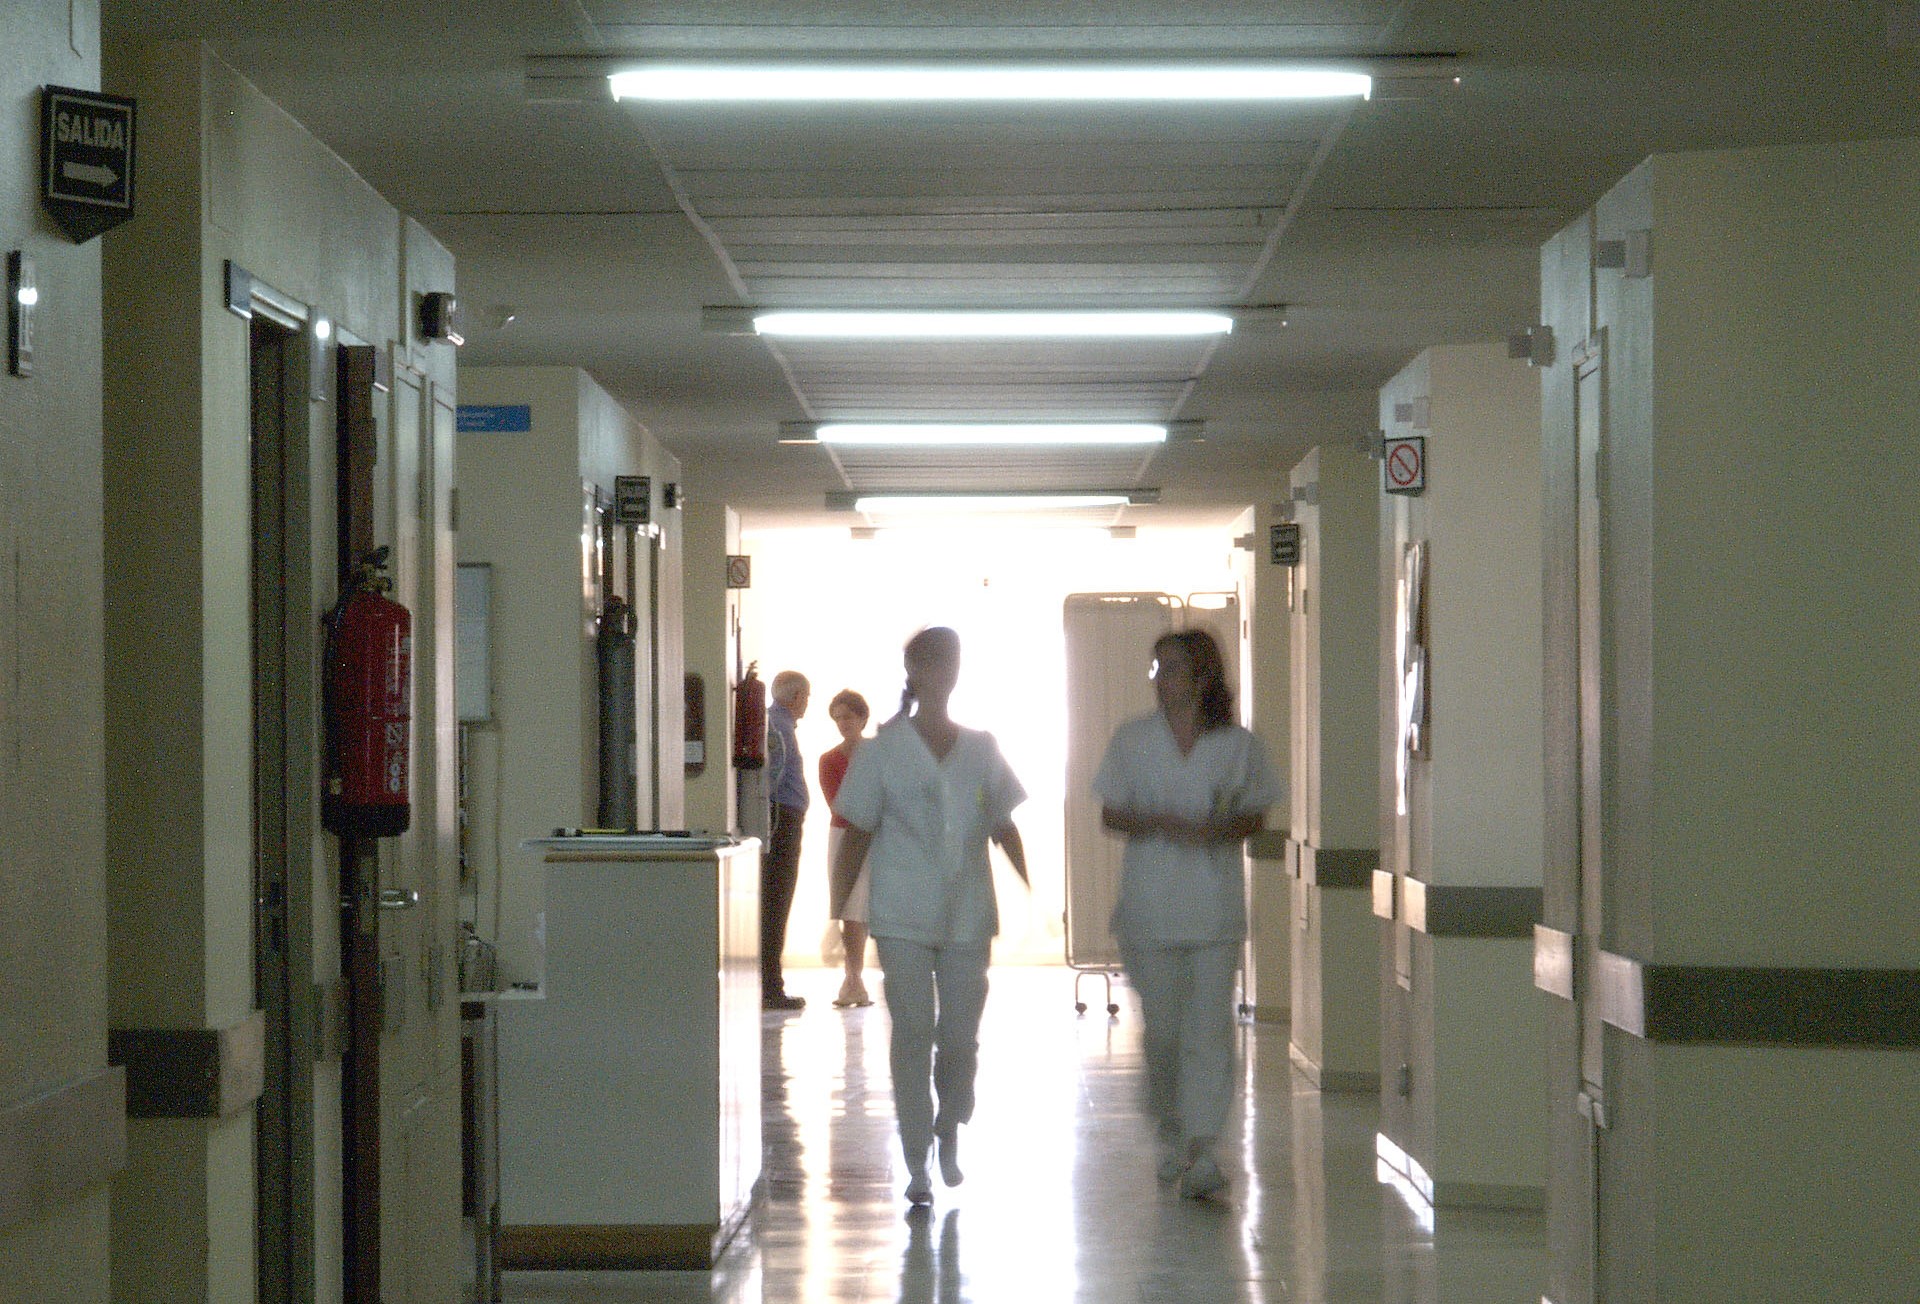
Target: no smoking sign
[{"x": 1405, "y": 469}]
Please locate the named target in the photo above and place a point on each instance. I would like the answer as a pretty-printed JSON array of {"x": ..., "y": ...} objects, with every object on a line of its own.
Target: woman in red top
[{"x": 849, "y": 713}]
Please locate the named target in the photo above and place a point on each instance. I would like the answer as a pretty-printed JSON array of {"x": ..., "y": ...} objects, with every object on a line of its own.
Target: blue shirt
[{"x": 786, "y": 776}]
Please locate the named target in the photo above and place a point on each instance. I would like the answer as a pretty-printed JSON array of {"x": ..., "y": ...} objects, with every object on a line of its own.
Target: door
[
  {"x": 1303, "y": 781},
  {"x": 418, "y": 901},
  {"x": 1595, "y": 781},
  {"x": 1109, "y": 646},
  {"x": 401, "y": 1080},
  {"x": 282, "y": 796},
  {"x": 646, "y": 585},
  {"x": 1109, "y": 642}
]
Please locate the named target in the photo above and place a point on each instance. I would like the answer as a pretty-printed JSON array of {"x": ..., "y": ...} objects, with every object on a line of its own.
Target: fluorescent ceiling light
[
  {"x": 967, "y": 504},
  {"x": 896, "y": 325},
  {"x": 982, "y": 432},
  {"x": 941, "y": 502},
  {"x": 895, "y": 83}
]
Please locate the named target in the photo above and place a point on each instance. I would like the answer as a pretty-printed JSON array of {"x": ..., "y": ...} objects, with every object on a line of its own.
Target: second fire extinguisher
[
  {"x": 369, "y": 691},
  {"x": 750, "y": 720},
  {"x": 613, "y": 653}
]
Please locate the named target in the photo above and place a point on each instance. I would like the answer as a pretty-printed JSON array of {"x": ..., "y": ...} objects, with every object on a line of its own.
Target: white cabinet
[{"x": 630, "y": 1090}]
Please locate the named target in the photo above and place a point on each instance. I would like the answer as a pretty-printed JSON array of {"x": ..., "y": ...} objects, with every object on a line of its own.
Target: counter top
[
  {"x": 634, "y": 846},
  {"x": 504, "y": 995}
]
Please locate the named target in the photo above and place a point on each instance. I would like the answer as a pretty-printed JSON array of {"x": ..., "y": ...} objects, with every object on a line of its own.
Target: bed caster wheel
[
  {"x": 1113, "y": 1009},
  {"x": 1079, "y": 1007}
]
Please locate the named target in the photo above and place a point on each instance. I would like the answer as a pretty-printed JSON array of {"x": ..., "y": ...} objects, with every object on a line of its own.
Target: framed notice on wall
[{"x": 473, "y": 641}]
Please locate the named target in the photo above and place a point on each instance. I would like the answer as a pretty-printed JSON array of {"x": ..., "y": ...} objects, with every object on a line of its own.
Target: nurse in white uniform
[
  {"x": 924, "y": 796},
  {"x": 1187, "y": 786}
]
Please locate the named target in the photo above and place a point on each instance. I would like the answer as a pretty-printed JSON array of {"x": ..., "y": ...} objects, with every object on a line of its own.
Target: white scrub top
[
  {"x": 1177, "y": 892},
  {"x": 928, "y": 876}
]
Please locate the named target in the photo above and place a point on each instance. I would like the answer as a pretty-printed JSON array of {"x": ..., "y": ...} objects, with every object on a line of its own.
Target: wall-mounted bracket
[
  {"x": 440, "y": 318},
  {"x": 1534, "y": 344},
  {"x": 1632, "y": 257}
]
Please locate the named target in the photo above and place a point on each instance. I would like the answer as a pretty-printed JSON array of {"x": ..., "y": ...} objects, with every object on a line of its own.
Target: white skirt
[{"x": 856, "y": 911}]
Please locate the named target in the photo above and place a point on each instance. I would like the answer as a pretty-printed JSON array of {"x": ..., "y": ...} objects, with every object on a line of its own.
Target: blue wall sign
[{"x": 493, "y": 418}]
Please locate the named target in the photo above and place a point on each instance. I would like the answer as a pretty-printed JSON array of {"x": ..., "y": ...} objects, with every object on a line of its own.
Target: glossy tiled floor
[{"x": 1060, "y": 1201}]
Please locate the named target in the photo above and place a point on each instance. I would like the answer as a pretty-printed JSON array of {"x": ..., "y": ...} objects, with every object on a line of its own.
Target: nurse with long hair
[{"x": 1186, "y": 786}]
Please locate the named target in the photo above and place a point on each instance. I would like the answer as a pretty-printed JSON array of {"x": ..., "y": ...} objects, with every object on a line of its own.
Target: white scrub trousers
[
  {"x": 935, "y": 996},
  {"x": 1186, "y": 1008}
]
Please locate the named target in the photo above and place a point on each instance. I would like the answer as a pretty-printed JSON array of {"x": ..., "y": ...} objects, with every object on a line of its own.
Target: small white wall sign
[{"x": 1404, "y": 470}]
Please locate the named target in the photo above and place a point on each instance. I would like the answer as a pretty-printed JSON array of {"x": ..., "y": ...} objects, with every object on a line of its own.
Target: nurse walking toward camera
[
  {"x": 1186, "y": 786},
  {"x": 922, "y": 799}
]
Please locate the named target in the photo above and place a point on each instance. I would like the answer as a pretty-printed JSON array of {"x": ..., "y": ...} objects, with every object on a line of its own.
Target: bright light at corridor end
[
  {"x": 954, "y": 82},
  {"x": 991, "y": 325}
]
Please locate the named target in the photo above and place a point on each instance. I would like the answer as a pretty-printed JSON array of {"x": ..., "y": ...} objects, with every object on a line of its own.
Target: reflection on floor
[{"x": 1060, "y": 1201}]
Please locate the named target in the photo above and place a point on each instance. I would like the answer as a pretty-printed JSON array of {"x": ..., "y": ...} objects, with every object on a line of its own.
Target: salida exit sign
[{"x": 86, "y": 159}]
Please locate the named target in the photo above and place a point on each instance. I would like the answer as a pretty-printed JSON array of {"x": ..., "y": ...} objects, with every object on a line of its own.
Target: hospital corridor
[{"x": 1377, "y": 538}]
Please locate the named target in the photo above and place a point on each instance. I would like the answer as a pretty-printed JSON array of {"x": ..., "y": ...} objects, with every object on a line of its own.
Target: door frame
[{"x": 286, "y": 375}]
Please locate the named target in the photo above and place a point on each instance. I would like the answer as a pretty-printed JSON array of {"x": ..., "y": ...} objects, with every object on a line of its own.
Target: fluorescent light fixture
[
  {"x": 1023, "y": 432},
  {"x": 927, "y": 434},
  {"x": 905, "y": 82},
  {"x": 962, "y": 325},
  {"x": 937, "y": 504},
  {"x": 28, "y": 296}
]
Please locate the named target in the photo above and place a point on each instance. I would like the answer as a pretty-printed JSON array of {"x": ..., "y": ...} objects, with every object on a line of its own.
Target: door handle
[{"x": 398, "y": 898}]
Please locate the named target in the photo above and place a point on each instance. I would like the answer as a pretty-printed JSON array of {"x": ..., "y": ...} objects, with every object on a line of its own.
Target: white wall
[
  {"x": 536, "y": 762},
  {"x": 53, "y": 992},
  {"x": 226, "y": 176},
  {"x": 1335, "y": 749},
  {"x": 1780, "y": 780},
  {"x": 1760, "y": 787},
  {"x": 1458, "y": 1007}
]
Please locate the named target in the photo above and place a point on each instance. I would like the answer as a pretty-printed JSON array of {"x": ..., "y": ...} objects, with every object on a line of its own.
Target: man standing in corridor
[{"x": 780, "y": 867}]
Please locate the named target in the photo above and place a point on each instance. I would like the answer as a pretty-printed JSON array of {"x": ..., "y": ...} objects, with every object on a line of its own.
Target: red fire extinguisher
[
  {"x": 369, "y": 685},
  {"x": 750, "y": 720}
]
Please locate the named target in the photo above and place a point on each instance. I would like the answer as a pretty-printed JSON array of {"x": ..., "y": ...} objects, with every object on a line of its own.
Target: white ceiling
[{"x": 1382, "y": 228}]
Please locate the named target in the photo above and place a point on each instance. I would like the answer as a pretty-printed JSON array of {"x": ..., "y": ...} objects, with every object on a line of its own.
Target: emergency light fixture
[{"x": 895, "y": 83}]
